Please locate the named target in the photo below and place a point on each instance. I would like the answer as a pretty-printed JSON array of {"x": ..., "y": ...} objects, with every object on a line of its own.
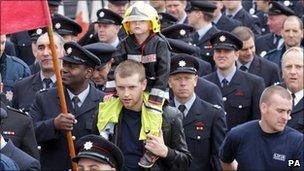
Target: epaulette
[
  {"x": 217, "y": 106},
  {"x": 20, "y": 111}
]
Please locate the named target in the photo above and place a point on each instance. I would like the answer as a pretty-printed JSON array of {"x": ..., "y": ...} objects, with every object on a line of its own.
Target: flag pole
[{"x": 63, "y": 105}]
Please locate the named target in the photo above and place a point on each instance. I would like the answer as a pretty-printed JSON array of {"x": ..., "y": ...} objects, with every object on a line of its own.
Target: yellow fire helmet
[{"x": 140, "y": 11}]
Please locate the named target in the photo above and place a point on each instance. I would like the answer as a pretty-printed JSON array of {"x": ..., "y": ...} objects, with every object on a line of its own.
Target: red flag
[{"x": 23, "y": 15}]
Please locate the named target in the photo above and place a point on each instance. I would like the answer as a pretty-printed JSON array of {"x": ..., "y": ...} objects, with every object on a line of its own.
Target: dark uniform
[
  {"x": 209, "y": 92},
  {"x": 275, "y": 56},
  {"x": 9, "y": 48},
  {"x": 263, "y": 17},
  {"x": 270, "y": 41},
  {"x": 25, "y": 90},
  {"x": 297, "y": 117},
  {"x": 265, "y": 69},
  {"x": 46, "y": 106},
  {"x": 204, "y": 124},
  {"x": 94, "y": 147},
  {"x": 227, "y": 24},
  {"x": 241, "y": 96},
  {"x": 248, "y": 20},
  {"x": 203, "y": 42},
  {"x": 166, "y": 20},
  {"x": 18, "y": 127},
  {"x": 24, "y": 160}
]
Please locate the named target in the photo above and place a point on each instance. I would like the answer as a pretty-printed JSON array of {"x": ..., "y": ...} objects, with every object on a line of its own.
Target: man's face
[
  {"x": 182, "y": 85},
  {"x": 193, "y": 17},
  {"x": 292, "y": 71},
  {"x": 2, "y": 44},
  {"x": 224, "y": 58},
  {"x": 275, "y": 23},
  {"x": 44, "y": 54},
  {"x": 85, "y": 164},
  {"x": 101, "y": 74},
  {"x": 261, "y": 5},
  {"x": 107, "y": 33},
  {"x": 75, "y": 74},
  {"x": 292, "y": 33},
  {"x": 176, "y": 8},
  {"x": 246, "y": 54},
  {"x": 232, "y": 5},
  {"x": 219, "y": 5},
  {"x": 119, "y": 9},
  {"x": 276, "y": 113},
  {"x": 157, "y": 4},
  {"x": 130, "y": 91},
  {"x": 140, "y": 27}
]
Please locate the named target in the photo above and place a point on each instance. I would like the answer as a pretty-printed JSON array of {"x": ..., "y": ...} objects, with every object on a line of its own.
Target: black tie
[
  {"x": 243, "y": 68},
  {"x": 75, "y": 101},
  {"x": 182, "y": 108},
  {"x": 229, "y": 16},
  {"x": 293, "y": 99},
  {"x": 47, "y": 82},
  {"x": 224, "y": 82}
]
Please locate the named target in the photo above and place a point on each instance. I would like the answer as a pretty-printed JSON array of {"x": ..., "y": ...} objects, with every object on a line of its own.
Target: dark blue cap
[
  {"x": 65, "y": 26},
  {"x": 79, "y": 55},
  {"x": 178, "y": 31},
  {"x": 118, "y": 2},
  {"x": 55, "y": 2},
  {"x": 278, "y": 8},
  {"x": 103, "y": 51},
  {"x": 226, "y": 40},
  {"x": 179, "y": 46},
  {"x": 201, "y": 6},
  {"x": 99, "y": 149},
  {"x": 105, "y": 16},
  {"x": 36, "y": 33},
  {"x": 183, "y": 63}
]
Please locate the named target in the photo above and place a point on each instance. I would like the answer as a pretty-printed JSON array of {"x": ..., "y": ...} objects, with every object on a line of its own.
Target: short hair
[
  {"x": 292, "y": 49},
  {"x": 243, "y": 33},
  {"x": 293, "y": 17},
  {"x": 130, "y": 67},
  {"x": 272, "y": 90}
]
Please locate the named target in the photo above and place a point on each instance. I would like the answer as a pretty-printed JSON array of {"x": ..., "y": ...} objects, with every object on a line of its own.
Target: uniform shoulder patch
[
  {"x": 20, "y": 111},
  {"x": 217, "y": 106}
]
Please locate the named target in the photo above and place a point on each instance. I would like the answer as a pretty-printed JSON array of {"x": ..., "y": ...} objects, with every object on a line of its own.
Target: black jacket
[
  {"x": 227, "y": 24},
  {"x": 18, "y": 127},
  {"x": 205, "y": 129},
  {"x": 178, "y": 157},
  {"x": 155, "y": 56}
]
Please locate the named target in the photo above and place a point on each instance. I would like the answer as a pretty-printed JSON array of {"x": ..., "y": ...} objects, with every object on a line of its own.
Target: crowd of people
[{"x": 158, "y": 85}]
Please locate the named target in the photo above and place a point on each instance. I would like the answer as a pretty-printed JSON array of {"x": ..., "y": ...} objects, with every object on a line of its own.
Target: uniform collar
[
  {"x": 188, "y": 104},
  {"x": 217, "y": 18},
  {"x": 2, "y": 142},
  {"x": 228, "y": 77},
  {"x": 202, "y": 31},
  {"x": 298, "y": 96},
  {"x": 82, "y": 96},
  {"x": 239, "y": 64},
  {"x": 53, "y": 77},
  {"x": 115, "y": 43}
]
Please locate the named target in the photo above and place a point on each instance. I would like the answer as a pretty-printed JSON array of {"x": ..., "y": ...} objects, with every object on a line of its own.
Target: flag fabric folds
[{"x": 23, "y": 15}]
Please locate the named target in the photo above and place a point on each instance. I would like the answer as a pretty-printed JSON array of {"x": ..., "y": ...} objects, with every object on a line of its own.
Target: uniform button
[
  {"x": 39, "y": 147},
  {"x": 198, "y": 137},
  {"x": 73, "y": 137},
  {"x": 207, "y": 53},
  {"x": 263, "y": 29},
  {"x": 224, "y": 99},
  {"x": 225, "y": 113},
  {"x": 23, "y": 44},
  {"x": 240, "y": 106},
  {"x": 263, "y": 53}
]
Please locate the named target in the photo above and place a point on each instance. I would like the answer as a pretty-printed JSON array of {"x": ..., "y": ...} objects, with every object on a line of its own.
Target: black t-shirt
[
  {"x": 254, "y": 149},
  {"x": 131, "y": 147}
]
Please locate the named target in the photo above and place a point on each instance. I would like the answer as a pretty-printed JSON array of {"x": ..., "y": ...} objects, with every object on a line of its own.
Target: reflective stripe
[
  {"x": 135, "y": 57},
  {"x": 110, "y": 84},
  {"x": 143, "y": 59}
]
